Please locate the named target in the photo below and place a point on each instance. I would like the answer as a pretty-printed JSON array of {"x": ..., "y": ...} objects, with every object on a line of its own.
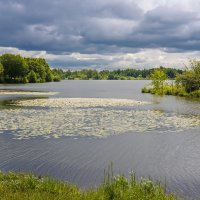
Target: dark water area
[{"x": 170, "y": 156}]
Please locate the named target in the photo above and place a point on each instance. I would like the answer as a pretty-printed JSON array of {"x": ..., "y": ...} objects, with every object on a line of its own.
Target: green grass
[{"x": 18, "y": 186}]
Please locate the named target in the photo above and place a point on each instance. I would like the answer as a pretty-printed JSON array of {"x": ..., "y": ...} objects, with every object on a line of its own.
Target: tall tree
[
  {"x": 14, "y": 66},
  {"x": 158, "y": 78},
  {"x": 37, "y": 65},
  {"x": 190, "y": 79},
  {"x": 32, "y": 78}
]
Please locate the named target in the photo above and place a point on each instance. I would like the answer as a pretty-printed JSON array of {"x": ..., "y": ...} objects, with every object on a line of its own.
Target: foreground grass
[{"x": 21, "y": 186}]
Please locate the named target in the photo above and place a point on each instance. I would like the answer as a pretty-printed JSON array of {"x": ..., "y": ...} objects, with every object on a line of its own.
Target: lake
[{"x": 73, "y": 130}]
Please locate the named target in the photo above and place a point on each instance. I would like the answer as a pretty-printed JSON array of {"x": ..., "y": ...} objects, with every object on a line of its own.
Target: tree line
[
  {"x": 17, "y": 69},
  {"x": 119, "y": 74},
  {"x": 185, "y": 84}
]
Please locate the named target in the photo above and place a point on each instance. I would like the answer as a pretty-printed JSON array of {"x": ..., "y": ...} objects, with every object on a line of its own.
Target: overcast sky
[{"x": 102, "y": 33}]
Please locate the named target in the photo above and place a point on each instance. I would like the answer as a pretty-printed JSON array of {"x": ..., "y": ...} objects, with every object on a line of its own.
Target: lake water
[{"x": 73, "y": 130}]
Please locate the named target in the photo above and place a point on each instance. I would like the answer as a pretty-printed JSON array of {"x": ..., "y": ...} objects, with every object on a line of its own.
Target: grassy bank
[{"x": 22, "y": 186}]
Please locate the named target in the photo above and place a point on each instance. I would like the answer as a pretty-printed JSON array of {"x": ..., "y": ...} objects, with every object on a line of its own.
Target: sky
[{"x": 102, "y": 34}]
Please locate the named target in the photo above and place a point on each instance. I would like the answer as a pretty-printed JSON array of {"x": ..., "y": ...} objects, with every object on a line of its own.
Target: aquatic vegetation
[
  {"x": 92, "y": 117},
  {"x": 23, "y": 92},
  {"x": 22, "y": 186},
  {"x": 80, "y": 102}
]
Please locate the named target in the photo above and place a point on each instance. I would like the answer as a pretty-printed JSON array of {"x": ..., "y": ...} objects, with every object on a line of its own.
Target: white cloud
[
  {"x": 147, "y": 5},
  {"x": 145, "y": 58}
]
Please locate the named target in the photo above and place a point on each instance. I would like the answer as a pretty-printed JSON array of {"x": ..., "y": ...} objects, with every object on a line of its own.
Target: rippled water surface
[{"x": 73, "y": 130}]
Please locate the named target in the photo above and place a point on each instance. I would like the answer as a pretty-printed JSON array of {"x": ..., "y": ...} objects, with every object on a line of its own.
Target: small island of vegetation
[{"x": 186, "y": 84}]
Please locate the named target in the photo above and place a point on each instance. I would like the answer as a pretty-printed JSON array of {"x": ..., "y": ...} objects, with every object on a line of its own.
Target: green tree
[
  {"x": 104, "y": 74},
  {"x": 89, "y": 73},
  {"x": 49, "y": 76},
  {"x": 39, "y": 67},
  {"x": 171, "y": 73},
  {"x": 14, "y": 66},
  {"x": 195, "y": 68},
  {"x": 32, "y": 78},
  {"x": 190, "y": 79},
  {"x": 158, "y": 78},
  {"x": 59, "y": 72},
  {"x": 111, "y": 77},
  {"x": 68, "y": 73}
]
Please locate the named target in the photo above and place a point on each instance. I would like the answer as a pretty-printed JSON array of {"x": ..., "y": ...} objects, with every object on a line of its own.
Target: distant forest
[
  {"x": 119, "y": 74},
  {"x": 17, "y": 69}
]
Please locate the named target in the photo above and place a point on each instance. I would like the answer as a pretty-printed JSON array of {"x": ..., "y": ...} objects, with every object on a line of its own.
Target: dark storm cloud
[
  {"x": 96, "y": 26},
  {"x": 169, "y": 28}
]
